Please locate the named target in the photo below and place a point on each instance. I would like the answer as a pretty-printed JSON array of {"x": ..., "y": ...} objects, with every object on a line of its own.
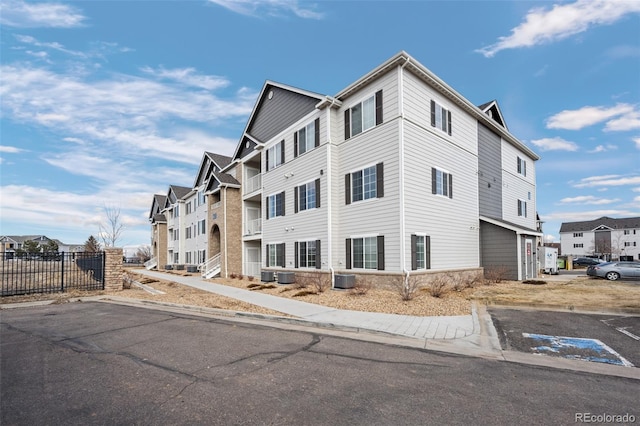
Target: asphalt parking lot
[
  {"x": 103, "y": 363},
  {"x": 526, "y": 330}
]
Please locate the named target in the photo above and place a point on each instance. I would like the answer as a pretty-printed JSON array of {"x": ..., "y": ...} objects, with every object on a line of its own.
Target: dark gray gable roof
[
  {"x": 278, "y": 106},
  {"x": 607, "y": 222},
  {"x": 159, "y": 218},
  {"x": 159, "y": 202},
  {"x": 209, "y": 162},
  {"x": 221, "y": 179},
  {"x": 23, "y": 238},
  {"x": 176, "y": 193}
]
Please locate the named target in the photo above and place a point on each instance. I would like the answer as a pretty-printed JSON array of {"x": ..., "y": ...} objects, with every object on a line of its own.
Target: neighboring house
[
  {"x": 606, "y": 238},
  {"x": 396, "y": 175},
  {"x": 12, "y": 243}
]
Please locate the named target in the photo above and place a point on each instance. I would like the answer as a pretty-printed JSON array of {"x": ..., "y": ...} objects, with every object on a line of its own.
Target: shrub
[
  {"x": 319, "y": 282},
  {"x": 496, "y": 274},
  {"x": 439, "y": 286},
  {"x": 304, "y": 293},
  {"x": 240, "y": 277},
  {"x": 250, "y": 277},
  {"x": 127, "y": 281},
  {"x": 232, "y": 276},
  {"x": 407, "y": 287},
  {"x": 361, "y": 287}
]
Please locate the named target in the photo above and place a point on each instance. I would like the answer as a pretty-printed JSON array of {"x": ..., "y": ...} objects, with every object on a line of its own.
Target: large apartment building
[
  {"x": 395, "y": 175},
  {"x": 607, "y": 238}
]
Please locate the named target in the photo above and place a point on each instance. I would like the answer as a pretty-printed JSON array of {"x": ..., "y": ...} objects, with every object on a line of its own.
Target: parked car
[
  {"x": 586, "y": 261},
  {"x": 615, "y": 270}
]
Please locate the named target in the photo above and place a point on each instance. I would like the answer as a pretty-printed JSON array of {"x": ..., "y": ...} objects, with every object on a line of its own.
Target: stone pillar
[{"x": 113, "y": 269}]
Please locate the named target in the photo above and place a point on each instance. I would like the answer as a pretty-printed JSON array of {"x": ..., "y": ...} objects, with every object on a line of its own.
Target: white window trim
[{"x": 360, "y": 102}]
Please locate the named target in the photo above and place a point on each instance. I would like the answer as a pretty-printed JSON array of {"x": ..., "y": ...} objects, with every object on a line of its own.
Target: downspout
[
  {"x": 226, "y": 263},
  {"x": 329, "y": 204},
  {"x": 401, "y": 177}
]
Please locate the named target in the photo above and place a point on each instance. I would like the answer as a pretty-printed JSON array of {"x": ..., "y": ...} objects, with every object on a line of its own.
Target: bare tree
[
  {"x": 144, "y": 253},
  {"x": 111, "y": 230}
]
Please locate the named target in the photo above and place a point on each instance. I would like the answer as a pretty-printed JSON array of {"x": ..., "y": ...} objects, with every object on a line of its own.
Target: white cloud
[
  {"x": 603, "y": 148},
  {"x": 555, "y": 144},
  {"x": 189, "y": 77},
  {"x": 10, "y": 149},
  {"x": 17, "y": 13},
  {"x": 630, "y": 121},
  {"x": 268, "y": 7},
  {"x": 607, "y": 180},
  {"x": 126, "y": 111},
  {"x": 587, "y": 116},
  {"x": 637, "y": 142},
  {"x": 543, "y": 25},
  {"x": 588, "y": 200}
]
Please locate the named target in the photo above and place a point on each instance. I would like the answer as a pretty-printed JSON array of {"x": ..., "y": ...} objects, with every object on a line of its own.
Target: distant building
[
  {"x": 12, "y": 243},
  {"x": 606, "y": 238}
]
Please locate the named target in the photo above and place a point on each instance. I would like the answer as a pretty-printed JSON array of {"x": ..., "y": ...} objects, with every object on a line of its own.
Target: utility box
[
  {"x": 267, "y": 276},
  {"x": 286, "y": 277},
  {"x": 345, "y": 281},
  {"x": 548, "y": 260}
]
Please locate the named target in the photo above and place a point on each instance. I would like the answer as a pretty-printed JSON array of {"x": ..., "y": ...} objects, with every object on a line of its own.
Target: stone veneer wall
[
  {"x": 234, "y": 231},
  {"x": 113, "y": 269},
  {"x": 161, "y": 235}
]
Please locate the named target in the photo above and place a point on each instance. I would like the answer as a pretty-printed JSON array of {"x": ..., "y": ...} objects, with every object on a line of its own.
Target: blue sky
[{"x": 105, "y": 103}]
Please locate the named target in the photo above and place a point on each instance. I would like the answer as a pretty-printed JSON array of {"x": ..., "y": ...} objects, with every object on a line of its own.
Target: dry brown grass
[{"x": 581, "y": 293}]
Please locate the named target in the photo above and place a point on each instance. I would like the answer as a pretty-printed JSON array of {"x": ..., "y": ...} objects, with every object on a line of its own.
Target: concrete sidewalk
[{"x": 465, "y": 328}]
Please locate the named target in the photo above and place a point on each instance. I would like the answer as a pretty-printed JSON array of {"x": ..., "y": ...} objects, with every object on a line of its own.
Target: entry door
[{"x": 528, "y": 247}]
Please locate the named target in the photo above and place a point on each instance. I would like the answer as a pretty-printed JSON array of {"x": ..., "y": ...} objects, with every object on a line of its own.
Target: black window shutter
[
  {"x": 267, "y": 166},
  {"x": 450, "y": 186},
  {"x": 266, "y": 210},
  {"x": 266, "y": 260},
  {"x": 318, "y": 257},
  {"x": 347, "y": 124},
  {"x": 295, "y": 199},
  {"x": 433, "y": 113},
  {"x": 449, "y": 122},
  {"x": 296, "y": 254},
  {"x": 317, "y": 131},
  {"x": 282, "y": 205},
  {"x": 380, "y": 180},
  {"x": 295, "y": 144},
  {"x": 318, "y": 193},
  {"x": 381, "y": 253},
  {"x": 378, "y": 107},
  {"x": 282, "y": 152},
  {"x": 427, "y": 251},
  {"x": 414, "y": 258},
  {"x": 347, "y": 188},
  {"x": 348, "y": 250},
  {"x": 282, "y": 255},
  {"x": 434, "y": 189}
]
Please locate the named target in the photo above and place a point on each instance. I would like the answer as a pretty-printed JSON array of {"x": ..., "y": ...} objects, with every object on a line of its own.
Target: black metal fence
[{"x": 51, "y": 272}]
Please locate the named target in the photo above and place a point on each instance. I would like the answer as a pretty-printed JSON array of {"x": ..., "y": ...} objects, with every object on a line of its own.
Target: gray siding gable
[
  {"x": 612, "y": 223},
  {"x": 489, "y": 173},
  {"x": 278, "y": 109}
]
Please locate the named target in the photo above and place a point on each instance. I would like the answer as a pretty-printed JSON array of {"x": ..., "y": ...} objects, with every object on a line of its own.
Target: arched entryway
[{"x": 214, "y": 241}]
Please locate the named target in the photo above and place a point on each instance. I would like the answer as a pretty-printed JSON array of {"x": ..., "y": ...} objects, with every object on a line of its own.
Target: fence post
[
  {"x": 62, "y": 272},
  {"x": 113, "y": 268}
]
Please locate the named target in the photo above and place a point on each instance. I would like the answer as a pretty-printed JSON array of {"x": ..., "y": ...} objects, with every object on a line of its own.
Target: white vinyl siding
[{"x": 451, "y": 223}]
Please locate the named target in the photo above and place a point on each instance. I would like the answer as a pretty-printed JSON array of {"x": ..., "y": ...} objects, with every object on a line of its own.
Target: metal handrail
[{"x": 210, "y": 264}]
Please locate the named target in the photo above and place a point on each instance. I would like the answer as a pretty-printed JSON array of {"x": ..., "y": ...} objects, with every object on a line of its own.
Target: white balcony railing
[
  {"x": 216, "y": 204},
  {"x": 252, "y": 184},
  {"x": 254, "y": 226}
]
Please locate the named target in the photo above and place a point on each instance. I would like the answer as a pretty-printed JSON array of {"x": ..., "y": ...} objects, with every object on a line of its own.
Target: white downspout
[
  {"x": 329, "y": 193},
  {"x": 401, "y": 177},
  {"x": 226, "y": 263}
]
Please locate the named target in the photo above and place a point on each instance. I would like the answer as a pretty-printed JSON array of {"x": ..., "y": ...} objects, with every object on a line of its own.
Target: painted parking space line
[
  {"x": 575, "y": 348},
  {"x": 624, "y": 330}
]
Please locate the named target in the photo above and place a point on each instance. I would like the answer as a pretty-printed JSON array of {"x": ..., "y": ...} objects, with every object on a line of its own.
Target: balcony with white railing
[
  {"x": 252, "y": 184},
  {"x": 216, "y": 205},
  {"x": 253, "y": 226}
]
